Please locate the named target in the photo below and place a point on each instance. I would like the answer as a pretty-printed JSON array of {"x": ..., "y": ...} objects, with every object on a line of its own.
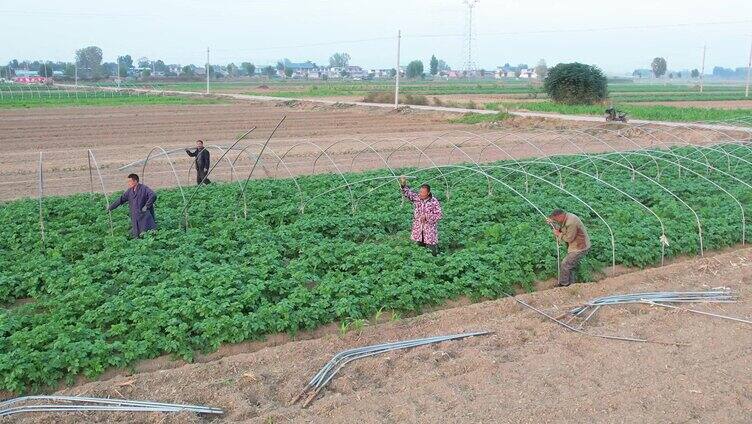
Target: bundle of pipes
[
  {"x": 325, "y": 375},
  {"x": 83, "y": 404},
  {"x": 662, "y": 299},
  {"x": 713, "y": 296}
]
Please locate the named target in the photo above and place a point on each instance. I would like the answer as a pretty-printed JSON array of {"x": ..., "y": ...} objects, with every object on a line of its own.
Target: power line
[
  {"x": 570, "y": 30},
  {"x": 532, "y": 32},
  {"x": 328, "y": 43}
]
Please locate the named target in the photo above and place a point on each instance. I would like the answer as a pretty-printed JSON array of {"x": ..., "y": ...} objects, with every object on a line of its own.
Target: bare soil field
[
  {"x": 531, "y": 370},
  {"x": 119, "y": 136}
]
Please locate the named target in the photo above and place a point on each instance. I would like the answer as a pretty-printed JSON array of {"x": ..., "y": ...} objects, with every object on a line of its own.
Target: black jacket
[{"x": 202, "y": 158}]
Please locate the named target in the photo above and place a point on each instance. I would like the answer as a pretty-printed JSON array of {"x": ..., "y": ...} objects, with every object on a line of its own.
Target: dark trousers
[
  {"x": 569, "y": 266},
  {"x": 200, "y": 177}
]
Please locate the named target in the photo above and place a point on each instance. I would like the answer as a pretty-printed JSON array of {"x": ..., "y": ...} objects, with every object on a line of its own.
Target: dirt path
[{"x": 529, "y": 371}]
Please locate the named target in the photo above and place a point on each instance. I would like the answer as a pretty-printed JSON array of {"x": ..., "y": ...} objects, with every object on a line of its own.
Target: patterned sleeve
[
  {"x": 411, "y": 195},
  {"x": 434, "y": 212}
]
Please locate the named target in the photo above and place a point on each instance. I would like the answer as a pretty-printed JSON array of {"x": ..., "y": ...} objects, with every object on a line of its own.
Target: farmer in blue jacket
[{"x": 140, "y": 200}]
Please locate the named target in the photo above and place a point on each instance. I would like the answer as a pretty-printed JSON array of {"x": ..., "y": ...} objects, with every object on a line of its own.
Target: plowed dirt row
[
  {"x": 529, "y": 371},
  {"x": 118, "y": 136}
]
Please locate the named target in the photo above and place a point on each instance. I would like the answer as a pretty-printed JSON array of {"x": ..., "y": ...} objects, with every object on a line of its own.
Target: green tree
[
  {"x": 695, "y": 74},
  {"x": 339, "y": 60},
  {"x": 392, "y": 73},
  {"x": 414, "y": 69},
  {"x": 269, "y": 71},
  {"x": 187, "y": 71},
  {"x": 576, "y": 83},
  {"x": 288, "y": 72},
  {"x": 232, "y": 70},
  {"x": 89, "y": 62},
  {"x": 443, "y": 66},
  {"x": 144, "y": 62},
  {"x": 159, "y": 66},
  {"x": 45, "y": 69},
  {"x": 659, "y": 67},
  {"x": 249, "y": 68},
  {"x": 70, "y": 70},
  {"x": 434, "y": 65},
  {"x": 146, "y": 73},
  {"x": 124, "y": 64}
]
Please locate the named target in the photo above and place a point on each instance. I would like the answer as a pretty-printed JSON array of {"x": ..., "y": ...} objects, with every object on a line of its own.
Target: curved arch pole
[
  {"x": 421, "y": 152},
  {"x": 560, "y": 135},
  {"x": 276, "y": 167},
  {"x": 104, "y": 192},
  {"x": 174, "y": 172},
  {"x": 195, "y": 190},
  {"x": 352, "y": 163},
  {"x": 735, "y": 146},
  {"x": 717, "y": 186},
  {"x": 613, "y": 187},
  {"x": 741, "y": 207},
  {"x": 587, "y": 205},
  {"x": 613, "y": 149},
  {"x": 455, "y": 147},
  {"x": 682, "y": 141},
  {"x": 40, "y": 194},
  {"x": 602, "y": 157},
  {"x": 577, "y": 147},
  {"x": 339, "y": 172},
  {"x": 459, "y": 168},
  {"x": 232, "y": 175},
  {"x": 585, "y": 155},
  {"x": 501, "y": 149}
]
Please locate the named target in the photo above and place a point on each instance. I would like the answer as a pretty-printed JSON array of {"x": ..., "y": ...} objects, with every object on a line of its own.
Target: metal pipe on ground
[
  {"x": 325, "y": 375},
  {"x": 81, "y": 404}
]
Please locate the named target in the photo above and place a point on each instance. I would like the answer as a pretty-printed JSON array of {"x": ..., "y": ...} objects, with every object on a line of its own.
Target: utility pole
[
  {"x": 749, "y": 70},
  {"x": 702, "y": 72},
  {"x": 207, "y": 70},
  {"x": 75, "y": 67},
  {"x": 397, "y": 75}
]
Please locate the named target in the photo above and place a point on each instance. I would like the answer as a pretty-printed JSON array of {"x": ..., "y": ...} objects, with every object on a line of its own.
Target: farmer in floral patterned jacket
[{"x": 426, "y": 215}]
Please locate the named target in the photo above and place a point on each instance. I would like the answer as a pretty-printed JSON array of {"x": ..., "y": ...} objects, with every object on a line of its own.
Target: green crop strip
[
  {"x": 34, "y": 101},
  {"x": 91, "y": 301},
  {"x": 652, "y": 113}
]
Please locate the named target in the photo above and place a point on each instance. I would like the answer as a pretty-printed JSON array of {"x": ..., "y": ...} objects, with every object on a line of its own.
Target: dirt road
[{"x": 530, "y": 370}]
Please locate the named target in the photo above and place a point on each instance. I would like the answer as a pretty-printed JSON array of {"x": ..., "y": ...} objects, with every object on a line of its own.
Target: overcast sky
[{"x": 263, "y": 31}]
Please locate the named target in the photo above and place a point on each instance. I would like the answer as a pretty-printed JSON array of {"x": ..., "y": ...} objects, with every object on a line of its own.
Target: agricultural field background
[
  {"x": 88, "y": 299},
  {"x": 18, "y": 96},
  {"x": 679, "y": 102}
]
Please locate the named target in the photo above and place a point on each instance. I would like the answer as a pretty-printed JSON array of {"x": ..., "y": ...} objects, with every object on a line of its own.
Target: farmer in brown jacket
[{"x": 568, "y": 227}]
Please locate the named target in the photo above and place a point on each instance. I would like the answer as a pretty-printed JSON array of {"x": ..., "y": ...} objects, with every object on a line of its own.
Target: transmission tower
[{"x": 467, "y": 44}]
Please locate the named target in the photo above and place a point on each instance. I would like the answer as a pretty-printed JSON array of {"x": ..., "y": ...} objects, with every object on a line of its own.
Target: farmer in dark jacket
[
  {"x": 202, "y": 162},
  {"x": 140, "y": 200}
]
